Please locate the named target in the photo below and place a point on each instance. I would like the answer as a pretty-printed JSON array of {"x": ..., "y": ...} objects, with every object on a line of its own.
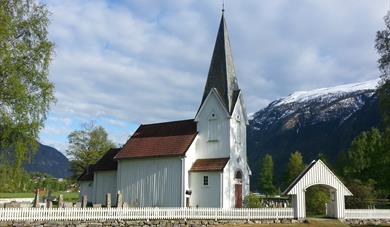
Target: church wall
[
  {"x": 86, "y": 188},
  {"x": 206, "y": 148},
  {"x": 104, "y": 182},
  {"x": 238, "y": 158},
  {"x": 151, "y": 182},
  {"x": 189, "y": 160},
  {"x": 205, "y": 196}
]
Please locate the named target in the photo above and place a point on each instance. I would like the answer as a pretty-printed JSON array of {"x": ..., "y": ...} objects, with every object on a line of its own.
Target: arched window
[
  {"x": 213, "y": 127},
  {"x": 238, "y": 176}
]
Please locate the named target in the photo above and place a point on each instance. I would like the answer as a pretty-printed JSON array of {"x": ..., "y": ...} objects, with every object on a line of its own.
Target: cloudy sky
[{"x": 123, "y": 63}]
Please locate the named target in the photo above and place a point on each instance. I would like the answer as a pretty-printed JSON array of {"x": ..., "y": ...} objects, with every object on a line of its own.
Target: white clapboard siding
[
  {"x": 151, "y": 182},
  {"x": 143, "y": 213},
  {"x": 318, "y": 174},
  {"x": 367, "y": 214}
]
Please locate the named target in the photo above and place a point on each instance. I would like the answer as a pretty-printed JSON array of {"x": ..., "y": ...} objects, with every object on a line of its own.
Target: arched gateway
[{"x": 317, "y": 173}]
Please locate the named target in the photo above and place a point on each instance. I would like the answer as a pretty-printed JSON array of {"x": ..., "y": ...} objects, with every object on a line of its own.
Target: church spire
[{"x": 222, "y": 75}]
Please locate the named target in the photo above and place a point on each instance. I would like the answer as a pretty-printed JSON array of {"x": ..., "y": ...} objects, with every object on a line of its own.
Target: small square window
[{"x": 205, "y": 180}]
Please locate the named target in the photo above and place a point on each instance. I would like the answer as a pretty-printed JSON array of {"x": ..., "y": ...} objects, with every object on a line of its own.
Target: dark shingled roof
[
  {"x": 213, "y": 164},
  {"x": 87, "y": 175},
  {"x": 161, "y": 139},
  {"x": 222, "y": 74},
  {"x": 107, "y": 162}
]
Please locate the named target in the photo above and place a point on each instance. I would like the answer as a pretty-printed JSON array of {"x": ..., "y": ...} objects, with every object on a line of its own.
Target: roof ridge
[{"x": 168, "y": 122}]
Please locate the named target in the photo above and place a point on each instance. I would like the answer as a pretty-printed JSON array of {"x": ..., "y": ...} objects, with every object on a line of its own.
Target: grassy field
[
  {"x": 309, "y": 223},
  {"x": 68, "y": 196}
]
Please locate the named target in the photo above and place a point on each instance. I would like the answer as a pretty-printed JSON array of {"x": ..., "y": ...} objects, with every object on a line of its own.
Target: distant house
[{"x": 199, "y": 162}]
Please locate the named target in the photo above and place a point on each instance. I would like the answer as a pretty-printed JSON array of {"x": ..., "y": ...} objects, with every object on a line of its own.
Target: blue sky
[{"x": 123, "y": 63}]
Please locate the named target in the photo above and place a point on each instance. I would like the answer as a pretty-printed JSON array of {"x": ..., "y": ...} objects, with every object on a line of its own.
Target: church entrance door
[{"x": 238, "y": 195}]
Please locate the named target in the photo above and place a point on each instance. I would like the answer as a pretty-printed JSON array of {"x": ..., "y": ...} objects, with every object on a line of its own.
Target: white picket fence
[
  {"x": 8, "y": 214},
  {"x": 367, "y": 214}
]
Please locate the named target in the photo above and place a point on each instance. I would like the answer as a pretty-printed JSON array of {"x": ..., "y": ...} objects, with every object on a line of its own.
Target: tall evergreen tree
[
  {"x": 382, "y": 44},
  {"x": 265, "y": 180},
  {"x": 295, "y": 166}
]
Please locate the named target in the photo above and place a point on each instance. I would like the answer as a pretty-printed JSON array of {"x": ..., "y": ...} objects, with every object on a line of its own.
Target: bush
[{"x": 252, "y": 201}]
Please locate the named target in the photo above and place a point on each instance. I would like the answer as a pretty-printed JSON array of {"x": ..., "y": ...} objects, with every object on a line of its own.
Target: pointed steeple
[{"x": 222, "y": 75}]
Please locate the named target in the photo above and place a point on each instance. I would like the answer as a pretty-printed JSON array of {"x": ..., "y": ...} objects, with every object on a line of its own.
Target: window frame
[{"x": 206, "y": 181}]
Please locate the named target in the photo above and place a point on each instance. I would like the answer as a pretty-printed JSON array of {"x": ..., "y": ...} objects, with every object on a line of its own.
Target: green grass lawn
[{"x": 68, "y": 196}]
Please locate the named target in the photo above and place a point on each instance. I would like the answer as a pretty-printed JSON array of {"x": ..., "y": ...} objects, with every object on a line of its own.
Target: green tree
[
  {"x": 382, "y": 44},
  {"x": 368, "y": 159},
  {"x": 252, "y": 201},
  {"x": 26, "y": 92},
  {"x": 316, "y": 198},
  {"x": 363, "y": 194},
  {"x": 265, "y": 180},
  {"x": 295, "y": 166},
  {"x": 86, "y": 146},
  {"x": 363, "y": 155}
]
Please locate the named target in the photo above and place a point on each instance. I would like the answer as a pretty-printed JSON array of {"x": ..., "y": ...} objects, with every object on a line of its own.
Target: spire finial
[{"x": 223, "y": 6}]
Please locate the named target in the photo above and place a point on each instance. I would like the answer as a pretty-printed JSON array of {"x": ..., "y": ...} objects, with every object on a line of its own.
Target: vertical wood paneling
[
  {"x": 205, "y": 196},
  {"x": 104, "y": 182},
  {"x": 151, "y": 182},
  {"x": 319, "y": 174},
  {"x": 86, "y": 188}
]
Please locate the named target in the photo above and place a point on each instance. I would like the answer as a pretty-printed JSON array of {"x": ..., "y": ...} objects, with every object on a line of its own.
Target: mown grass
[{"x": 68, "y": 196}]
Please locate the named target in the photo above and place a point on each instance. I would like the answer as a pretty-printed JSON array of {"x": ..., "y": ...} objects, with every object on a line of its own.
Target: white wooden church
[{"x": 199, "y": 162}]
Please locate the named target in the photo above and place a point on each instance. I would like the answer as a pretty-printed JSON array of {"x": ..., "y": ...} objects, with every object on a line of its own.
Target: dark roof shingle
[
  {"x": 160, "y": 139},
  {"x": 222, "y": 74},
  {"x": 213, "y": 164},
  {"x": 107, "y": 162},
  {"x": 87, "y": 175}
]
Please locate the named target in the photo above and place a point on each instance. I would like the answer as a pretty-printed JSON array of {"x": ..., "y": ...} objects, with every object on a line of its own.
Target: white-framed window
[
  {"x": 205, "y": 180},
  {"x": 213, "y": 127}
]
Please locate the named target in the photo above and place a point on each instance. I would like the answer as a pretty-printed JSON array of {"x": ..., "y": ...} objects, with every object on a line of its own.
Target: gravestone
[
  {"x": 108, "y": 200},
  {"x": 36, "y": 200},
  {"x": 60, "y": 201},
  {"x": 84, "y": 201},
  {"x": 119, "y": 200}
]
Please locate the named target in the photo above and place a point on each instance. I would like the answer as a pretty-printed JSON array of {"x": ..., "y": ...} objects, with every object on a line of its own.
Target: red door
[{"x": 238, "y": 195}]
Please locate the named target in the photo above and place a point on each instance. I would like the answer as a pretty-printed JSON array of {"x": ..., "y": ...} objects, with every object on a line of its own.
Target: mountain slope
[
  {"x": 51, "y": 161},
  {"x": 313, "y": 122}
]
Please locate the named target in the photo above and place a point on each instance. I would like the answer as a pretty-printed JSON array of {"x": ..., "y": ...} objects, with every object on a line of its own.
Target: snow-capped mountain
[{"x": 319, "y": 121}]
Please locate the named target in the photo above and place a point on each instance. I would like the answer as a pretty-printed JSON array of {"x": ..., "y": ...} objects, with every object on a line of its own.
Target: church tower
[
  {"x": 222, "y": 110},
  {"x": 222, "y": 120}
]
